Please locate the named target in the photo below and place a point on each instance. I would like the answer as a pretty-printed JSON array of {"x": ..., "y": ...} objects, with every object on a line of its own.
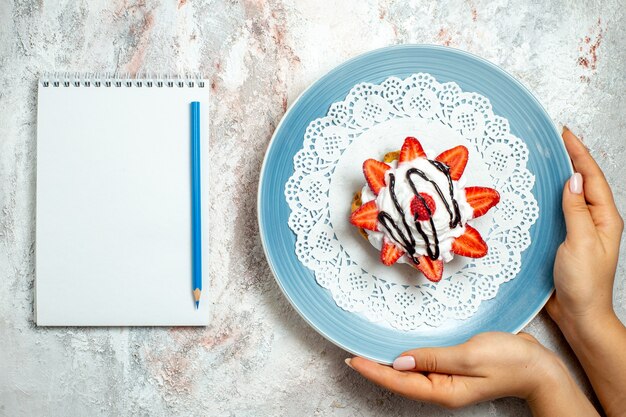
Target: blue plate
[{"x": 518, "y": 301}]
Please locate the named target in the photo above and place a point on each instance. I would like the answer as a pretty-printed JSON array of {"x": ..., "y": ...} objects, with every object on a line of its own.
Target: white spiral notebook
[{"x": 113, "y": 242}]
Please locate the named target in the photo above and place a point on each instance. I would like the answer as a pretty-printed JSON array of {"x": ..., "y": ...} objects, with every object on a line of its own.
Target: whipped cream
[{"x": 404, "y": 193}]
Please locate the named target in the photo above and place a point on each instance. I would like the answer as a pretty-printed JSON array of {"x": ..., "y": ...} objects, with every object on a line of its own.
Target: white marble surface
[{"x": 259, "y": 357}]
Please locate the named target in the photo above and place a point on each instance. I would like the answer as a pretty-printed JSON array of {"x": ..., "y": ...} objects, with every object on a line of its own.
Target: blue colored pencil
[{"x": 196, "y": 206}]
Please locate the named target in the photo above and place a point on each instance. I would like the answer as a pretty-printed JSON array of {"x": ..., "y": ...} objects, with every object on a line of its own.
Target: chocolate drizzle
[
  {"x": 454, "y": 212},
  {"x": 405, "y": 237},
  {"x": 407, "y": 240}
]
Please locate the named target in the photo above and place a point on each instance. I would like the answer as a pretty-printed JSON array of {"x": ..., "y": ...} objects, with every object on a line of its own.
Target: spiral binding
[{"x": 107, "y": 79}]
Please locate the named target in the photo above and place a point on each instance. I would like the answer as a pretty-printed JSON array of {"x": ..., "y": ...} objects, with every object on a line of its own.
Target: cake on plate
[{"x": 416, "y": 210}]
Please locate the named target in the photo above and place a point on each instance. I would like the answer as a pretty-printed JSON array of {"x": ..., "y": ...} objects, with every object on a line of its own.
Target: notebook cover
[{"x": 113, "y": 243}]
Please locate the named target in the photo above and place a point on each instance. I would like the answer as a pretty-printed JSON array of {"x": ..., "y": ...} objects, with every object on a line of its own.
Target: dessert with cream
[{"x": 415, "y": 210}]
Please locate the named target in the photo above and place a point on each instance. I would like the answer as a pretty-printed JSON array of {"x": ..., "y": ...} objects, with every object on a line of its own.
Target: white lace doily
[{"x": 373, "y": 120}]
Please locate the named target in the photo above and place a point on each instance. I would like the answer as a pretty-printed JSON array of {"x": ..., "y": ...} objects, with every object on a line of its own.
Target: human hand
[
  {"x": 488, "y": 366},
  {"x": 584, "y": 269}
]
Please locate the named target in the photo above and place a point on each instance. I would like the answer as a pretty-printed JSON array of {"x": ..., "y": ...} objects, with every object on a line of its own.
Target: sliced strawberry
[
  {"x": 481, "y": 199},
  {"x": 390, "y": 253},
  {"x": 470, "y": 244},
  {"x": 374, "y": 172},
  {"x": 366, "y": 217},
  {"x": 433, "y": 270},
  {"x": 418, "y": 209},
  {"x": 456, "y": 159},
  {"x": 411, "y": 149}
]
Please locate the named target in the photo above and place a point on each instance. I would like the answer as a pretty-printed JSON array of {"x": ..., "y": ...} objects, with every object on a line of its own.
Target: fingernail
[
  {"x": 576, "y": 183},
  {"x": 404, "y": 363},
  {"x": 349, "y": 362},
  {"x": 565, "y": 129}
]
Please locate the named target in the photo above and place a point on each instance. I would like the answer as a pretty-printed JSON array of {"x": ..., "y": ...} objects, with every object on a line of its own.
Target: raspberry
[{"x": 419, "y": 210}]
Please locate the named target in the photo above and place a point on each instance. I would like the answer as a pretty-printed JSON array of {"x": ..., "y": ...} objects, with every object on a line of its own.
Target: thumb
[
  {"x": 578, "y": 219},
  {"x": 455, "y": 360}
]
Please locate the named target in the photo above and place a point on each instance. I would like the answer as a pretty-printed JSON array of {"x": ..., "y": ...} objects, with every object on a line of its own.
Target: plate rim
[{"x": 287, "y": 113}]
